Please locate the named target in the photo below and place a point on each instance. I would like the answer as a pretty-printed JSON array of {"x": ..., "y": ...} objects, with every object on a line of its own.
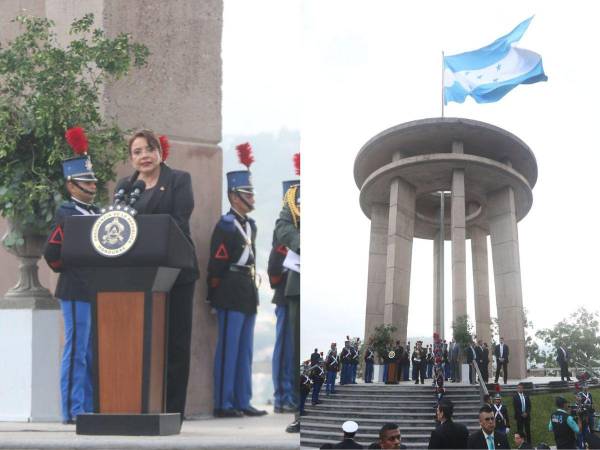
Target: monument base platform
[{"x": 128, "y": 424}]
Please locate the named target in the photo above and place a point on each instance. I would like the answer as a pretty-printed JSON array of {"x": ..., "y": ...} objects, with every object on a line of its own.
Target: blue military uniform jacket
[
  {"x": 229, "y": 286},
  {"x": 72, "y": 283}
]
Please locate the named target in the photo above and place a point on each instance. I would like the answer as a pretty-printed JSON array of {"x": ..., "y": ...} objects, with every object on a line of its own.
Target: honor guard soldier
[
  {"x": 317, "y": 376},
  {"x": 345, "y": 359},
  {"x": 588, "y": 404},
  {"x": 369, "y": 362},
  {"x": 287, "y": 233},
  {"x": 232, "y": 292},
  {"x": 72, "y": 288},
  {"x": 418, "y": 360},
  {"x": 501, "y": 415},
  {"x": 283, "y": 365},
  {"x": 354, "y": 354},
  {"x": 304, "y": 387},
  {"x": 429, "y": 361},
  {"x": 332, "y": 364}
]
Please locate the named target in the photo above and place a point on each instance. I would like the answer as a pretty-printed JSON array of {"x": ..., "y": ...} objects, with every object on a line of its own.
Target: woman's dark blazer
[{"x": 173, "y": 195}]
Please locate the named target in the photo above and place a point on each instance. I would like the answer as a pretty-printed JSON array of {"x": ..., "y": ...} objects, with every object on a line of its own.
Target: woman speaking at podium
[{"x": 168, "y": 191}]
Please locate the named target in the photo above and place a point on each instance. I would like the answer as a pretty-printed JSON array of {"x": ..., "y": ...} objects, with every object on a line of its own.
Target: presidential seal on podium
[{"x": 114, "y": 232}]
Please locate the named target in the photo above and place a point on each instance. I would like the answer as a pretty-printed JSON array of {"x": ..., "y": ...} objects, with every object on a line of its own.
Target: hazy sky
[{"x": 370, "y": 66}]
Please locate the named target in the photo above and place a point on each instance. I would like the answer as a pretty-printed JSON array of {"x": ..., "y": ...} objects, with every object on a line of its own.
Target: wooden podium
[
  {"x": 392, "y": 372},
  {"x": 129, "y": 321}
]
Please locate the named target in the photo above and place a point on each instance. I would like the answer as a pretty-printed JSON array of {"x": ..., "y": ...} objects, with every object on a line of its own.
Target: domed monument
[{"x": 447, "y": 179}]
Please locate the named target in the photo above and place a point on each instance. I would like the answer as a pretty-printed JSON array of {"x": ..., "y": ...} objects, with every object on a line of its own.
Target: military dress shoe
[
  {"x": 293, "y": 427},
  {"x": 227, "y": 413},
  {"x": 253, "y": 412},
  {"x": 285, "y": 409}
]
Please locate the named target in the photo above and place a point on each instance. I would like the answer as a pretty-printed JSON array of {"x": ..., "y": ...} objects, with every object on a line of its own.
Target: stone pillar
[
  {"x": 399, "y": 253},
  {"x": 377, "y": 268},
  {"x": 507, "y": 276},
  {"x": 481, "y": 286},
  {"x": 438, "y": 325},
  {"x": 458, "y": 236}
]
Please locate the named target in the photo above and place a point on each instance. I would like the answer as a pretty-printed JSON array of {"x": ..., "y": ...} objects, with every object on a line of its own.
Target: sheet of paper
[{"x": 292, "y": 261}]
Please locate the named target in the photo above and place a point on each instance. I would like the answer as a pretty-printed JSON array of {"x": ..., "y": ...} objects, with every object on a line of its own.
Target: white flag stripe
[{"x": 517, "y": 62}]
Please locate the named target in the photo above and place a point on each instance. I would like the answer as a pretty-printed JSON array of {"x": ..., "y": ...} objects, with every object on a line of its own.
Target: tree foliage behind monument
[{"x": 578, "y": 333}]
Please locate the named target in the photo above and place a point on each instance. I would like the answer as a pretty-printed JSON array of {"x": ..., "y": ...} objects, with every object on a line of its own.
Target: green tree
[
  {"x": 46, "y": 88},
  {"x": 579, "y": 332},
  {"x": 382, "y": 339},
  {"x": 462, "y": 331}
]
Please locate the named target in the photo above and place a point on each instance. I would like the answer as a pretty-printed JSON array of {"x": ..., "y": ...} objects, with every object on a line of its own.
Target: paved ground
[{"x": 246, "y": 433}]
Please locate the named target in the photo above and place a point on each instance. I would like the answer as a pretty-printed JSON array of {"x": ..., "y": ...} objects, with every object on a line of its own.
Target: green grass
[{"x": 542, "y": 406}]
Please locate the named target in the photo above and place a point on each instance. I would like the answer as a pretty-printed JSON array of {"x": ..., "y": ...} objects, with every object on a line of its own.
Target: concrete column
[
  {"x": 481, "y": 286},
  {"x": 399, "y": 253},
  {"x": 458, "y": 236},
  {"x": 507, "y": 276},
  {"x": 437, "y": 325},
  {"x": 377, "y": 268}
]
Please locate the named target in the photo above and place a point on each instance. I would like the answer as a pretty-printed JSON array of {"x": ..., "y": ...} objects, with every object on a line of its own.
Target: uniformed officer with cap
[
  {"x": 501, "y": 415},
  {"x": 283, "y": 365},
  {"x": 232, "y": 292},
  {"x": 72, "y": 288},
  {"x": 349, "y": 428}
]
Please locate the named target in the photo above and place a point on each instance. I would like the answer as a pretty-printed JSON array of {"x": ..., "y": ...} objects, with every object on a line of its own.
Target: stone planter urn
[{"x": 28, "y": 292}]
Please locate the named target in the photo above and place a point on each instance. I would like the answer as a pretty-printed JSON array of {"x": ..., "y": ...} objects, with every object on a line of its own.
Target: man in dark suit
[
  {"x": 562, "y": 357},
  {"x": 471, "y": 358},
  {"x": 485, "y": 362},
  {"x": 501, "y": 354},
  {"x": 448, "y": 434},
  {"x": 454, "y": 352},
  {"x": 522, "y": 408},
  {"x": 487, "y": 437},
  {"x": 369, "y": 362},
  {"x": 349, "y": 427},
  {"x": 315, "y": 357},
  {"x": 389, "y": 437},
  {"x": 521, "y": 442}
]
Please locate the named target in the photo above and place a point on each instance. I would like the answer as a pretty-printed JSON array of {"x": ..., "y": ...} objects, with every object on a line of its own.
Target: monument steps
[{"x": 372, "y": 405}]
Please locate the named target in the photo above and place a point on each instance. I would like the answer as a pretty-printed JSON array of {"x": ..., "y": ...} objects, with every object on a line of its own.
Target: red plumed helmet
[
  {"x": 77, "y": 140},
  {"x": 245, "y": 156},
  {"x": 297, "y": 163},
  {"x": 165, "y": 146},
  {"x": 498, "y": 388}
]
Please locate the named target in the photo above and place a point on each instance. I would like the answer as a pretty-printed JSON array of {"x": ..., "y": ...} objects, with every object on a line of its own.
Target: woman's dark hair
[
  {"x": 447, "y": 408},
  {"x": 150, "y": 137}
]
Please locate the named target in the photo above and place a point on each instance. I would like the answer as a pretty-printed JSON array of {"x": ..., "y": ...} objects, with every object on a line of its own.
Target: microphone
[
  {"x": 136, "y": 191},
  {"x": 121, "y": 192}
]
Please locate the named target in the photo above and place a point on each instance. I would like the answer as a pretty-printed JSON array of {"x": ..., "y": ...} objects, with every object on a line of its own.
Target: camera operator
[{"x": 564, "y": 426}]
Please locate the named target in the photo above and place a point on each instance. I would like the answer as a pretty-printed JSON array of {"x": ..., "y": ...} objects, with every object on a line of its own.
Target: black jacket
[
  {"x": 504, "y": 355},
  {"x": 347, "y": 443},
  {"x": 449, "y": 435},
  {"x": 277, "y": 273},
  {"x": 477, "y": 440},
  {"x": 73, "y": 282},
  {"x": 517, "y": 405},
  {"x": 229, "y": 289},
  {"x": 173, "y": 195}
]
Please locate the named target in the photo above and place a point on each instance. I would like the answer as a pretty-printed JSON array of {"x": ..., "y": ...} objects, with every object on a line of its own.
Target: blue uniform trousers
[
  {"x": 315, "y": 393},
  {"x": 346, "y": 377},
  {"x": 330, "y": 382},
  {"x": 368, "y": 371},
  {"x": 77, "y": 393},
  {"x": 405, "y": 371},
  {"x": 429, "y": 370},
  {"x": 354, "y": 370},
  {"x": 283, "y": 360},
  {"x": 386, "y": 367},
  {"x": 233, "y": 360}
]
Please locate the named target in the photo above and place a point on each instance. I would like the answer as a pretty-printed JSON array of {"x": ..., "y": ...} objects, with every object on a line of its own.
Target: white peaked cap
[{"x": 350, "y": 426}]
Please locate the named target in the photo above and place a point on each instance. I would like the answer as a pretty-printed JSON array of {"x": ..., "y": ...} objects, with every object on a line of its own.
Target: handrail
[
  {"x": 482, "y": 385},
  {"x": 592, "y": 371}
]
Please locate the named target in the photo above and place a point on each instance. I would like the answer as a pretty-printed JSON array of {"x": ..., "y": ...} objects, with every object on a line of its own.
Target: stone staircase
[{"x": 372, "y": 405}]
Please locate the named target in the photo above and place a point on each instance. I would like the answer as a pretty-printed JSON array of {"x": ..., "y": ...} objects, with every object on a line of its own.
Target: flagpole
[{"x": 442, "y": 84}]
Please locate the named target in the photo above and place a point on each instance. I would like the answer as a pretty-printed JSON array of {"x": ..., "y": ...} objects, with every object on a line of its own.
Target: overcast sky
[
  {"x": 342, "y": 71},
  {"x": 370, "y": 66}
]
